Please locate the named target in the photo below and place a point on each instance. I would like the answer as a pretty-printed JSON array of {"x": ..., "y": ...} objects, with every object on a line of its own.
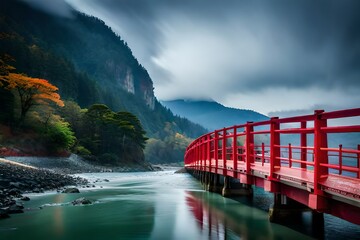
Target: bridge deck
[{"x": 324, "y": 178}]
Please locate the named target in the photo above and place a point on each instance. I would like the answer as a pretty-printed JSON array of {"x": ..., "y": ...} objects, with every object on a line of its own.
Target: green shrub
[
  {"x": 59, "y": 136},
  {"x": 82, "y": 151}
]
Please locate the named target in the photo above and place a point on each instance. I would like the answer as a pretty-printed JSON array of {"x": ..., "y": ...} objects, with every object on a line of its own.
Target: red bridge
[{"x": 302, "y": 158}]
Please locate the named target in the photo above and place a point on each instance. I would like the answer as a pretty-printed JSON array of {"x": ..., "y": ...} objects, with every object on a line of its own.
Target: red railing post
[
  {"x": 195, "y": 156},
  {"x": 303, "y": 143},
  {"x": 262, "y": 154},
  {"x": 274, "y": 146},
  {"x": 249, "y": 146},
  {"x": 199, "y": 154},
  {"x": 216, "y": 150},
  {"x": 208, "y": 150},
  {"x": 290, "y": 155},
  {"x": 202, "y": 152},
  {"x": 192, "y": 156},
  {"x": 321, "y": 156},
  {"x": 340, "y": 159},
  {"x": 223, "y": 155},
  {"x": 235, "y": 150},
  {"x": 189, "y": 157}
]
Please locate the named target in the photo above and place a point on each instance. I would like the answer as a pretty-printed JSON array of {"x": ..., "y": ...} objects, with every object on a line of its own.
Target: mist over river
[{"x": 158, "y": 205}]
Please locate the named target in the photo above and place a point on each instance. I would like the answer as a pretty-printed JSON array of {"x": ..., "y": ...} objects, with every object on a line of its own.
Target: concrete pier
[
  {"x": 214, "y": 184},
  {"x": 285, "y": 207},
  {"x": 232, "y": 188},
  {"x": 226, "y": 186}
]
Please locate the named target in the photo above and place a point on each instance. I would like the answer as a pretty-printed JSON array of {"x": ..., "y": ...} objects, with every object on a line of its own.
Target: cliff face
[
  {"x": 107, "y": 58},
  {"x": 125, "y": 79}
]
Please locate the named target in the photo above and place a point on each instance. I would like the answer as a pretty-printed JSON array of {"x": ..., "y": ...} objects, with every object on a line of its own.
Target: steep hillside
[
  {"x": 212, "y": 115},
  {"x": 88, "y": 62}
]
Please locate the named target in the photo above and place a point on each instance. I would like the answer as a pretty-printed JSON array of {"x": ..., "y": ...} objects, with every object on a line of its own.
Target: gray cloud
[{"x": 239, "y": 52}]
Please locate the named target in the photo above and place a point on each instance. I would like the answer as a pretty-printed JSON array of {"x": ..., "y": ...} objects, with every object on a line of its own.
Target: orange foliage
[
  {"x": 32, "y": 91},
  {"x": 40, "y": 91}
]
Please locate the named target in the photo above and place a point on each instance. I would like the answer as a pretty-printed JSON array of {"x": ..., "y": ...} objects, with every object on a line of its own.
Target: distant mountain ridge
[{"x": 212, "y": 115}]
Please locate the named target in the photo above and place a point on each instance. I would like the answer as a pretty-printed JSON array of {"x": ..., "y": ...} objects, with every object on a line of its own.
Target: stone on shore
[
  {"x": 16, "y": 208},
  {"x": 17, "y": 179}
]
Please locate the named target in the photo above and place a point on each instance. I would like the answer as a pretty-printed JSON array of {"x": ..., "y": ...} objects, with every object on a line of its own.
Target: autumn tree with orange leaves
[{"x": 31, "y": 91}]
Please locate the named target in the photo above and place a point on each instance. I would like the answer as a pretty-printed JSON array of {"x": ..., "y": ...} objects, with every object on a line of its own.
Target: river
[{"x": 158, "y": 205}]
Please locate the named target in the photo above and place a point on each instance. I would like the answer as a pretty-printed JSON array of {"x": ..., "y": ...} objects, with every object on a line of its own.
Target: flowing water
[{"x": 158, "y": 205}]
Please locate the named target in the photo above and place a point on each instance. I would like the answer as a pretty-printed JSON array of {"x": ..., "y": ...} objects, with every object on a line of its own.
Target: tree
[
  {"x": 137, "y": 133},
  {"x": 31, "y": 91},
  {"x": 73, "y": 114},
  {"x": 112, "y": 137}
]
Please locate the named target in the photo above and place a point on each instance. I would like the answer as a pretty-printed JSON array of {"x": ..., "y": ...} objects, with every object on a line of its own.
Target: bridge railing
[{"x": 279, "y": 146}]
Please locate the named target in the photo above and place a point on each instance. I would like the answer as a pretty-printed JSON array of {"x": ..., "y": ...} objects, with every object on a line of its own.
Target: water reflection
[
  {"x": 58, "y": 216},
  {"x": 220, "y": 218},
  {"x": 119, "y": 217}
]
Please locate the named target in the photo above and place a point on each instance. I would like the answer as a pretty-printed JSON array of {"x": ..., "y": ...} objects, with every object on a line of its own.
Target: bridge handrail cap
[{"x": 318, "y": 111}]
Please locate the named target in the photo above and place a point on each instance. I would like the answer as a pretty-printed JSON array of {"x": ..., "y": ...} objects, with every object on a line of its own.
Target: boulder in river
[
  {"x": 25, "y": 199},
  {"x": 71, "y": 190},
  {"x": 81, "y": 201}
]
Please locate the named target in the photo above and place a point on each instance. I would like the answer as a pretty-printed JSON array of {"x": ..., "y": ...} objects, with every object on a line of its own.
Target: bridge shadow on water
[
  {"x": 222, "y": 218},
  {"x": 306, "y": 222},
  {"x": 247, "y": 218}
]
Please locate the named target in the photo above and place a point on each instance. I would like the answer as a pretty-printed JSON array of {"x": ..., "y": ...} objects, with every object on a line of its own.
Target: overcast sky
[{"x": 274, "y": 56}]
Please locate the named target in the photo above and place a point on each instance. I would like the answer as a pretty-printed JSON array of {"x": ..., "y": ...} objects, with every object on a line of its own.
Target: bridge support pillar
[
  {"x": 197, "y": 175},
  {"x": 214, "y": 183},
  {"x": 285, "y": 207},
  {"x": 317, "y": 202},
  {"x": 202, "y": 177},
  {"x": 236, "y": 189},
  {"x": 207, "y": 180},
  {"x": 271, "y": 186}
]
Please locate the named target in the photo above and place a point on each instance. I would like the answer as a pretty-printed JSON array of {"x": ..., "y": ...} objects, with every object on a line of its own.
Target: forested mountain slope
[{"x": 89, "y": 64}]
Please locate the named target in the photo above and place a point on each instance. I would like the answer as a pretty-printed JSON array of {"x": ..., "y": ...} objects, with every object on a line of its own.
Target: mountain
[
  {"x": 212, "y": 115},
  {"x": 89, "y": 64}
]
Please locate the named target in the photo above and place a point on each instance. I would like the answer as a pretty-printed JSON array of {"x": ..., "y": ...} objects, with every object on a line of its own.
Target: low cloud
[{"x": 245, "y": 54}]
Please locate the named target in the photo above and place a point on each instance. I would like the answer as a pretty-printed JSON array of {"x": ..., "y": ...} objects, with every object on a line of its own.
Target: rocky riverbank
[
  {"x": 17, "y": 179},
  {"x": 74, "y": 164},
  {"x": 26, "y": 174}
]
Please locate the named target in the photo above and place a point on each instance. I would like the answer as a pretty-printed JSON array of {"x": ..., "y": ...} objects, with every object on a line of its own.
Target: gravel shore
[
  {"x": 17, "y": 179},
  {"x": 75, "y": 164}
]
